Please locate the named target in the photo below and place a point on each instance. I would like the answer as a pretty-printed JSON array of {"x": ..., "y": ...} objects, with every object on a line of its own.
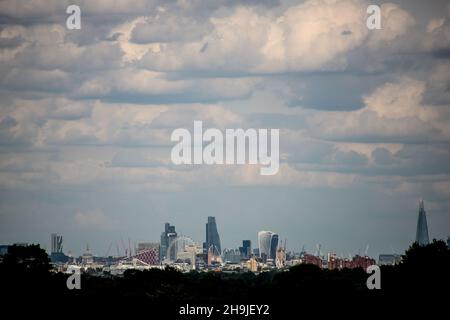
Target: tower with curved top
[{"x": 268, "y": 243}]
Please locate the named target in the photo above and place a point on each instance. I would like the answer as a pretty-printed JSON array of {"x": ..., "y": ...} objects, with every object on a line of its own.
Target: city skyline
[
  {"x": 86, "y": 117},
  {"x": 265, "y": 241}
]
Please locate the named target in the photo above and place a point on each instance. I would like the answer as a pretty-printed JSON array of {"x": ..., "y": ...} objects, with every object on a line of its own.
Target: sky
[{"x": 86, "y": 117}]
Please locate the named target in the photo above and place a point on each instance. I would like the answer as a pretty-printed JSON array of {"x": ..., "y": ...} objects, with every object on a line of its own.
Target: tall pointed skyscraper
[
  {"x": 422, "y": 227},
  {"x": 212, "y": 236}
]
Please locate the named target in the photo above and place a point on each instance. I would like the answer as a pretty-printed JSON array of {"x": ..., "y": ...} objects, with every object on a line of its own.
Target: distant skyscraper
[
  {"x": 173, "y": 248},
  {"x": 280, "y": 260},
  {"x": 422, "y": 227},
  {"x": 56, "y": 243},
  {"x": 268, "y": 243},
  {"x": 273, "y": 246},
  {"x": 168, "y": 237},
  {"x": 212, "y": 236},
  {"x": 246, "y": 249},
  {"x": 56, "y": 254}
]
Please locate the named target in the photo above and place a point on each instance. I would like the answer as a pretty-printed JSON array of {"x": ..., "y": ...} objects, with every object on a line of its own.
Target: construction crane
[
  {"x": 118, "y": 251},
  {"x": 123, "y": 246},
  {"x": 367, "y": 249},
  {"x": 109, "y": 249},
  {"x": 318, "y": 250}
]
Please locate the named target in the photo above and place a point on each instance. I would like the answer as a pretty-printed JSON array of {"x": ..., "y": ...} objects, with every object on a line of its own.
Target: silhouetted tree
[
  {"x": 30, "y": 258},
  {"x": 434, "y": 256},
  {"x": 424, "y": 270}
]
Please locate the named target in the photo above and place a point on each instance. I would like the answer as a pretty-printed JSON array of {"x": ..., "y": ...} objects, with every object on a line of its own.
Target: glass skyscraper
[
  {"x": 167, "y": 238},
  {"x": 268, "y": 243},
  {"x": 212, "y": 236},
  {"x": 422, "y": 227},
  {"x": 246, "y": 249},
  {"x": 57, "y": 241}
]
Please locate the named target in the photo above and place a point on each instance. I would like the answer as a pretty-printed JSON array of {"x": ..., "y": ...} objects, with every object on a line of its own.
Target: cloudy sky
[{"x": 86, "y": 117}]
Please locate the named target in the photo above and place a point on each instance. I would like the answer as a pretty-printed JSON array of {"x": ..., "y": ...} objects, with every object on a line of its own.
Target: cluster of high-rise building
[{"x": 184, "y": 253}]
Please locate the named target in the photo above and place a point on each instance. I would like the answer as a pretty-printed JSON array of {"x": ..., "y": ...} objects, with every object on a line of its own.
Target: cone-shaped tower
[{"x": 422, "y": 227}]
